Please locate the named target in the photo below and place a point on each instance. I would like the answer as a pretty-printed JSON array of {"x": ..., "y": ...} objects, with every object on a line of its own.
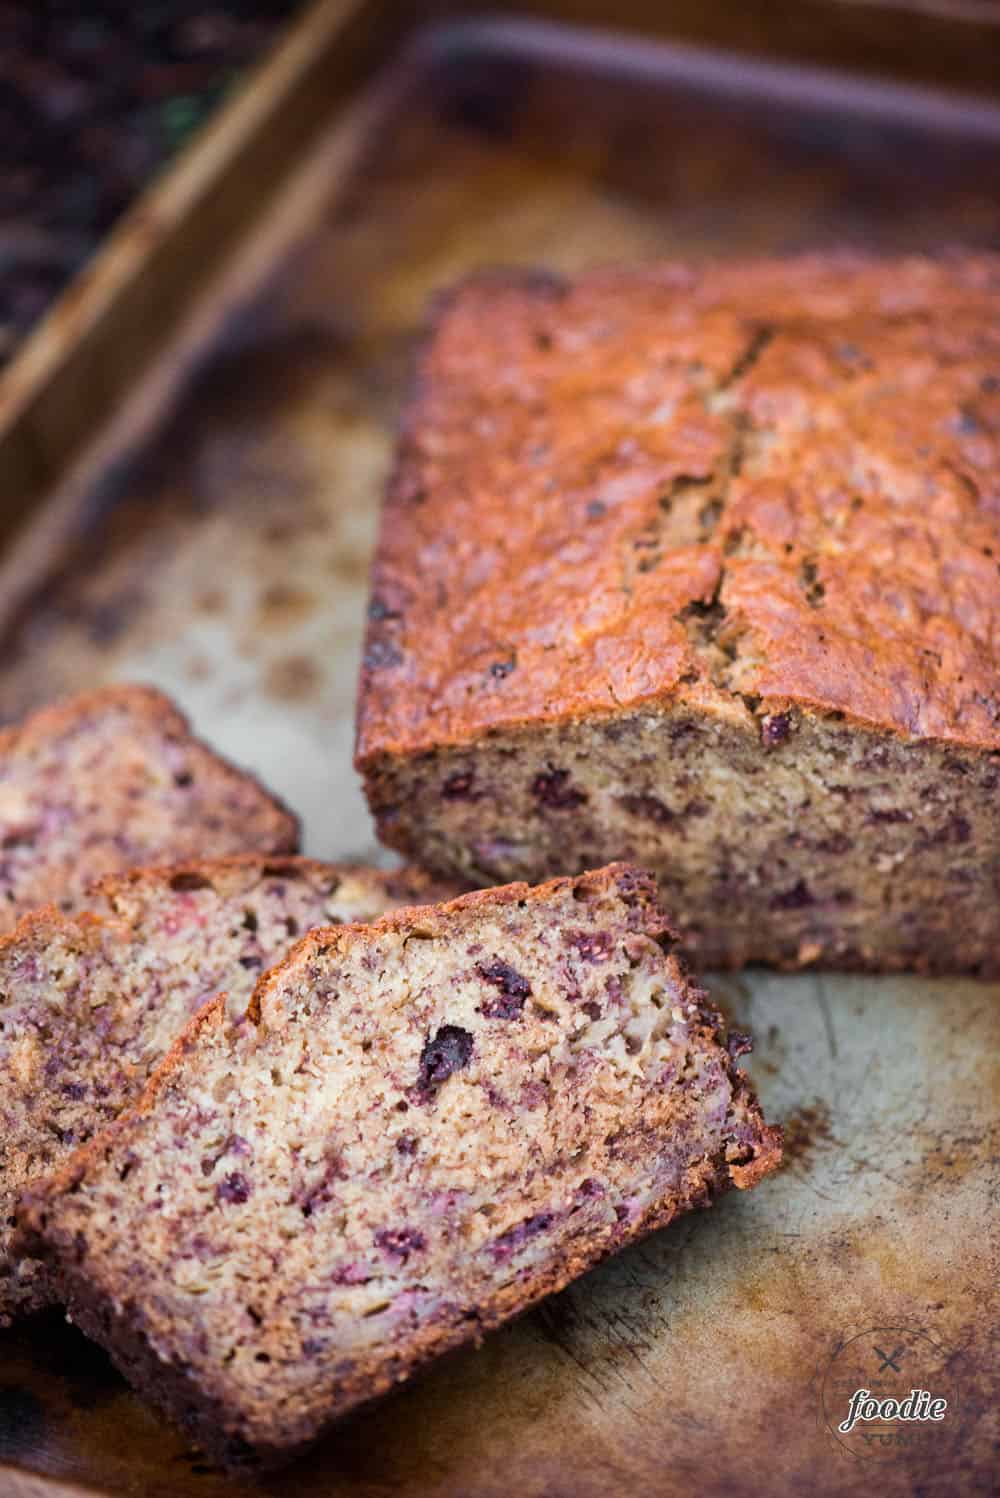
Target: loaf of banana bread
[
  {"x": 423, "y": 1126},
  {"x": 700, "y": 568},
  {"x": 113, "y": 779},
  {"x": 88, "y": 1006}
]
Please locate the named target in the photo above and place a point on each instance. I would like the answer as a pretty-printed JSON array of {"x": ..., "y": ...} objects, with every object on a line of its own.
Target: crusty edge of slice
[
  {"x": 412, "y": 885},
  {"x": 79, "y": 923},
  {"x": 44, "y": 722}
]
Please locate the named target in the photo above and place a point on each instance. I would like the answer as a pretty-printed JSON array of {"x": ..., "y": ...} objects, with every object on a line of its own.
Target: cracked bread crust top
[{"x": 738, "y": 489}]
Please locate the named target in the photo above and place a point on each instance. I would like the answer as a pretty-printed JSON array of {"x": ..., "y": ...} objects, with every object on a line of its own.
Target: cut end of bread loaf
[
  {"x": 422, "y": 1128},
  {"x": 800, "y": 842},
  {"x": 111, "y": 780},
  {"x": 89, "y": 1005}
]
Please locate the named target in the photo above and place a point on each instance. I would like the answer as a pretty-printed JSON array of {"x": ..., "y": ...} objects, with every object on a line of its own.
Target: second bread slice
[
  {"x": 424, "y": 1126},
  {"x": 89, "y": 1005}
]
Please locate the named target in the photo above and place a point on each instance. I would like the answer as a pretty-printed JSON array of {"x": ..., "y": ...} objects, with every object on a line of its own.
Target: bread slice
[
  {"x": 111, "y": 780},
  {"x": 423, "y": 1127},
  {"x": 89, "y": 1005}
]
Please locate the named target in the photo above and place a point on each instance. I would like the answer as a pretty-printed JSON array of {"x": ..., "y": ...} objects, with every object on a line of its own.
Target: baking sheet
[{"x": 224, "y": 559}]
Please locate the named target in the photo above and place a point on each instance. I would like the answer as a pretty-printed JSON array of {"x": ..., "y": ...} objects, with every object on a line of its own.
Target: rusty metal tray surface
[{"x": 216, "y": 543}]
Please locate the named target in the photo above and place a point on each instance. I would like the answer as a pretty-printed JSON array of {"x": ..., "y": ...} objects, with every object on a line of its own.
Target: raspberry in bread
[
  {"x": 700, "y": 568},
  {"x": 111, "y": 780},
  {"x": 423, "y": 1126},
  {"x": 88, "y": 1005}
]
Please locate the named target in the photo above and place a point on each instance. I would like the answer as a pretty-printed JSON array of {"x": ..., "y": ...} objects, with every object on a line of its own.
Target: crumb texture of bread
[
  {"x": 115, "y": 779},
  {"x": 423, "y": 1126},
  {"x": 701, "y": 568},
  {"x": 90, "y": 1004}
]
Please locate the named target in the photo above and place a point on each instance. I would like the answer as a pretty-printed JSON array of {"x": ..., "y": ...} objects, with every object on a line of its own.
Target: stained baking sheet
[{"x": 223, "y": 556}]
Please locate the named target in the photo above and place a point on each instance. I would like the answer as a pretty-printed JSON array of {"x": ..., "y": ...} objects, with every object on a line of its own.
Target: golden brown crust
[
  {"x": 49, "y": 918},
  {"x": 810, "y": 447}
]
